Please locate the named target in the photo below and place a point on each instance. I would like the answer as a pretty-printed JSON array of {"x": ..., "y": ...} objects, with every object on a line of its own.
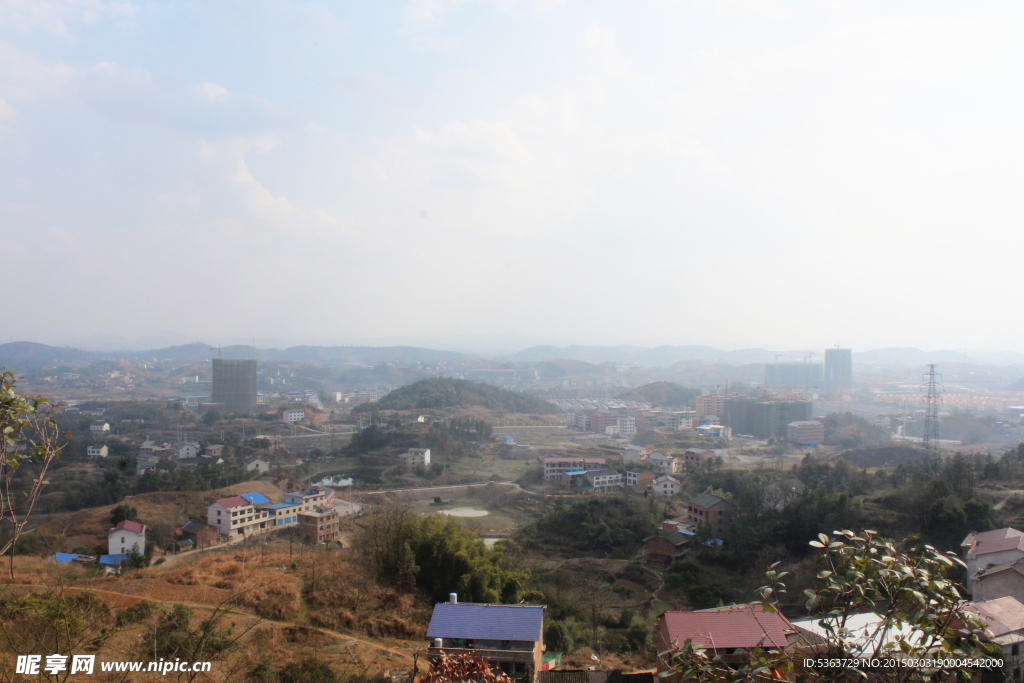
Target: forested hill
[
  {"x": 443, "y": 392},
  {"x": 663, "y": 394}
]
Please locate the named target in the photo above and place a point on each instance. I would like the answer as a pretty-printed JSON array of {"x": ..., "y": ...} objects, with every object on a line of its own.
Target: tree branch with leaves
[{"x": 28, "y": 433}]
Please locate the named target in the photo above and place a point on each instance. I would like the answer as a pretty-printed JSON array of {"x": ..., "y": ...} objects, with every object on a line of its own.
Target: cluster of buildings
[
  {"x": 715, "y": 416},
  {"x": 510, "y": 637},
  {"x": 651, "y": 473},
  {"x": 155, "y": 456},
  {"x": 627, "y": 421},
  {"x": 676, "y": 536},
  {"x": 311, "y": 511}
]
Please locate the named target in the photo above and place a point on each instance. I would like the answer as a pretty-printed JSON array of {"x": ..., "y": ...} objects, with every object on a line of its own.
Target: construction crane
[{"x": 217, "y": 350}]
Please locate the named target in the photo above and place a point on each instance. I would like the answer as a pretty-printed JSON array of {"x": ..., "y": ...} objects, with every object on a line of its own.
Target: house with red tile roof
[
  {"x": 1004, "y": 620},
  {"x": 991, "y": 548},
  {"x": 127, "y": 537},
  {"x": 732, "y": 630}
]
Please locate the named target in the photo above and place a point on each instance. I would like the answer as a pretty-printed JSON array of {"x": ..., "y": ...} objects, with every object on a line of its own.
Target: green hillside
[
  {"x": 443, "y": 392},
  {"x": 662, "y": 394}
]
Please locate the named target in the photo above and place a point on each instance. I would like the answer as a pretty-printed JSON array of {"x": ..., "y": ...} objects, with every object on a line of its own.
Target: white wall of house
[
  {"x": 976, "y": 562},
  {"x": 123, "y": 542}
]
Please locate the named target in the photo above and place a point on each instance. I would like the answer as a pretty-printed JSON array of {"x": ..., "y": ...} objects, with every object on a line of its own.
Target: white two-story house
[{"x": 127, "y": 537}]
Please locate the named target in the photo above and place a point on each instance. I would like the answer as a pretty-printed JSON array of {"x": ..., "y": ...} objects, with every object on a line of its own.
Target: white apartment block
[{"x": 236, "y": 516}]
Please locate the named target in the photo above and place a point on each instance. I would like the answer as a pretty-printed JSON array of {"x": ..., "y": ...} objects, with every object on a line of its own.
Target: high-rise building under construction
[
  {"x": 234, "y": 384},
  {"x": 838, "y": 369},
  {"x": 796, "y": 375}
]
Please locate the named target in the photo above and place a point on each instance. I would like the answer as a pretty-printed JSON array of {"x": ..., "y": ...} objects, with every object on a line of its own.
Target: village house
[
  {"x": 666, "y": 485},
  {"x": 214, "y": 451},
  {"x": 186, "y": 463},
  {"x": 264, "y": 441},
  {"x": 728, "y": 631},
  {"x": 692, "y": 457},
  {"x": 554, "y": 467},
  {"x": 284, "y": 514},
  {"x": 999, "y": 581},
  {"x": 668, "y": 546},
  {"x": 711, "y": 510},
  {"x": 152, "y": 446},
  {"x": 1004, "y": 619},
  {"x": 413, "y": 457},
  {"x": 97, "y": 451},
  {"x": 237, "y": 516},
  {"x": 663, "y": 464},
  {"x": 186, "y": 449},
  {"x": 633, "y": 454},
  {"x": 507, "y": 637},
  {"x": 319, "y": 525},
  {"x": 677, "y": 524},
  {"x": 127, "y": 537},
  {"x": 991, "y": 548},
  {"x": 605, "y": 481},
  {"x": 311, "y": 497},
  {"x": 201, "y": 535},
  {"x": 713, "y": 431},
  {"x": 146, "y": 463},
  {"x": 805, "y": 432},
  {"x": 639, "y": 476},
  {"x": 255, "y": 464},
  {"x": 99, "y": 427}
]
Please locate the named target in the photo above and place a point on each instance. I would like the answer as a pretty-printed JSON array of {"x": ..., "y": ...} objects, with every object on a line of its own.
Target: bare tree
[{"x": 381, "y": 540}]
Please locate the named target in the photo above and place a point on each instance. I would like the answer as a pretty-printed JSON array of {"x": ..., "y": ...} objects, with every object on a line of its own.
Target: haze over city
[
  {"x": 782, "y": 175},
  {"x": 511, "y": 341}
]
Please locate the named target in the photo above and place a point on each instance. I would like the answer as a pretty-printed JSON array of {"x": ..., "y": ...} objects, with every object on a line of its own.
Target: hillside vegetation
[
  {"x": 444, "y": 392},
  {"x": 662, "y": 394}
]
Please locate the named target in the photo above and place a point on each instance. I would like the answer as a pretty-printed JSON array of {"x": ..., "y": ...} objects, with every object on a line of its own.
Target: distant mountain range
[{"x": 30, "y": 354}]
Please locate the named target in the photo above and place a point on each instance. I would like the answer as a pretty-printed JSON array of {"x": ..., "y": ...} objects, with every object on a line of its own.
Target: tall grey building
[
  {"x": 234, "y": 384},
  {"x": 838, "y": 369}
]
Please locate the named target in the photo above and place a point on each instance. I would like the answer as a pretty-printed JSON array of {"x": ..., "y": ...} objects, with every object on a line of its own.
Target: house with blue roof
[
  {"x": 113, "y": 560},
  {"x": 64, "y": 558},
  {"x": 283, "y": 514},
  {"x": 508, "y": 637},
  {"x": 255, "y": 498}
]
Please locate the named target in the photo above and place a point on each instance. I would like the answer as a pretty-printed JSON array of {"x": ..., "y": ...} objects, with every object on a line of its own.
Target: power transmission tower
[{"x": 931, "y": 407}]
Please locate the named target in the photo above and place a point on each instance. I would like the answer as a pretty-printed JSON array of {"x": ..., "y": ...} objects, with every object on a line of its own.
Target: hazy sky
[{"x": 798, "y": 174}]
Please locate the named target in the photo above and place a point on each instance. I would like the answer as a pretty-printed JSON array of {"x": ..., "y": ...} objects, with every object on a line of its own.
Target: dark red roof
[
  {"x": 742, "y": 626},
  {"x": 127, "y": 525}
]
